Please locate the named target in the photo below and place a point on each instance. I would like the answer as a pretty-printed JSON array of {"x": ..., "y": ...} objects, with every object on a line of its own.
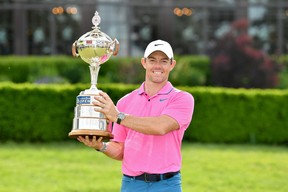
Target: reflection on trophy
[{"x": 95, "y": 48}]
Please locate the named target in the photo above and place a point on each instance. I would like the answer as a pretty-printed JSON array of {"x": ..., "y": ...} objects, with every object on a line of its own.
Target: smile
[{"x": 157, "y": 72}]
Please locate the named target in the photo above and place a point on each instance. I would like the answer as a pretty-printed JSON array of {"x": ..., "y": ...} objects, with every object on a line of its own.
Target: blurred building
[{"x": 49, "y": 27}]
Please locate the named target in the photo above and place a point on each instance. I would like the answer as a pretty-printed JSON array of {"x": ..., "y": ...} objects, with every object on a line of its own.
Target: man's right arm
[{"x": 113, "y": 149}]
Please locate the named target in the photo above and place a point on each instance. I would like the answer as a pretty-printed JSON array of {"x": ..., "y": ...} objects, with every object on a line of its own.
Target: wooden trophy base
[{"x": 87, "y": 132}]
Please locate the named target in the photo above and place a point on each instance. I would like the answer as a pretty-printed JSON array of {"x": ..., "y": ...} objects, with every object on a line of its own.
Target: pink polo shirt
[{"x": 154, "y": 153}]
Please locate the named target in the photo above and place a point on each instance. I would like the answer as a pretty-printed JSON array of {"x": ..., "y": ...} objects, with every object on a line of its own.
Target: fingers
[
  {"x": 102, "y": 100},
  {"x": 105, "y": 105},
  {"x": 80, "y": 138},
  {"x": 102, "y": 97},
  {"x": 99, "y": 104},
  {"x": 105, "y": 96},
  {"x": 100, "y": 139},
  {"x": 93, "y": 143}
]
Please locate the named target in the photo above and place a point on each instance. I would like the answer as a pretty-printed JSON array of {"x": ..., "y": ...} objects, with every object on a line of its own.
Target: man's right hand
[{"x": 93, "y": 143}]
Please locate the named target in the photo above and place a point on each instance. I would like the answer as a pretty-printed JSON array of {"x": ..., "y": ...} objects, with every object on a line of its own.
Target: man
[{"x": 149, "y": 124}]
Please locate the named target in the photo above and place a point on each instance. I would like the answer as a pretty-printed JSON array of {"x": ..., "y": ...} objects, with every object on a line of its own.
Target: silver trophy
[{"x": 95, "y": 48}]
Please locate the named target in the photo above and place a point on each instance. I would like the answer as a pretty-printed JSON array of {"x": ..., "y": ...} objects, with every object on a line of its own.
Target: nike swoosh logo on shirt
[{"x": 163, "y": 99}]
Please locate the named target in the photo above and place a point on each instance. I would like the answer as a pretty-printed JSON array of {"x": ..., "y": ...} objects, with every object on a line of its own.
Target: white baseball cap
[{"x": 159, "y": 45}]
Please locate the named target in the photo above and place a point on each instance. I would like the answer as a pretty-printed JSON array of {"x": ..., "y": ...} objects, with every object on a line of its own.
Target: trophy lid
[{"x": 95, "y": 47}]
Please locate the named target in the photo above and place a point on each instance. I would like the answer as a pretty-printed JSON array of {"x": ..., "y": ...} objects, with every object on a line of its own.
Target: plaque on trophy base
[{"x": 95, "y": 48}]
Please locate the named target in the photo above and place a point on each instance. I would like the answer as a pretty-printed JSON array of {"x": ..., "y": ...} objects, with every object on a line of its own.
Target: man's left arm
[
  {"x": 176, "y": 113},
  {"x": 159, "y": 125}
]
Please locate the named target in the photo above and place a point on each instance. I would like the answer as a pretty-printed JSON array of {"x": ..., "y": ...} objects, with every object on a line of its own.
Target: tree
[{"x": 235, "y": 63}]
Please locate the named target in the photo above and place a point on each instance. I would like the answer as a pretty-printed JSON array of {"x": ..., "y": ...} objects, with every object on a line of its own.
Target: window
[{"x": 6, "y": 32}]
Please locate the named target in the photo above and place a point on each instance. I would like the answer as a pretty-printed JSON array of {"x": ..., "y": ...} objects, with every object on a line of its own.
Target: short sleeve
[
  {"x": 119, "y": 132},
  {"x": 181, "y": 108}
]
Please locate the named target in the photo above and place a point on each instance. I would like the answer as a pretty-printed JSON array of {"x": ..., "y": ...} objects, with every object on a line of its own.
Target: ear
[
  {"x": 172, "y": 65},
  {"x": 143, "y": 62}
]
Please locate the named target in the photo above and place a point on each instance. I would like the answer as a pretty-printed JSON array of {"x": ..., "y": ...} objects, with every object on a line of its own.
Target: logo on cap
[{"x": 157, "y": 44}]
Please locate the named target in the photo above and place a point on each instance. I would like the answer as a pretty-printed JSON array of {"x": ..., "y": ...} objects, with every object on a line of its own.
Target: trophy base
[{"x": 87, "y": 132}]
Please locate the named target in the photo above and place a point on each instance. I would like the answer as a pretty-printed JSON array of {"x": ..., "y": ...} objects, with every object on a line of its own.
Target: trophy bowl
[{"x": 95, "y": 48}]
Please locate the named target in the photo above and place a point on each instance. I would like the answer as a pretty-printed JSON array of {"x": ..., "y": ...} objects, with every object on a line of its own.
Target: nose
[{"x": 158, "y": 64}]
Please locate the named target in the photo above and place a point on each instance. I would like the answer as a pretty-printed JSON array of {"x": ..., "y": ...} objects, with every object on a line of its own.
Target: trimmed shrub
[
  {"x": 239, "y": 116},
  {"x": 42, "y": 113},
  {"x": 191, "y": 70},
  {"x": 283, "y": 77},
  {"x": 63, "y": 69}
]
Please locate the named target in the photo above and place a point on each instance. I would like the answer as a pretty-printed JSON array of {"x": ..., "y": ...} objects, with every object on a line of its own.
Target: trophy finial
[{"x": 96, "y": 19}]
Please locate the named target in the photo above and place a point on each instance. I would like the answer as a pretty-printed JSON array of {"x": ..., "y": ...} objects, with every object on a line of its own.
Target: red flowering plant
[{"x": 235, "y": 63}]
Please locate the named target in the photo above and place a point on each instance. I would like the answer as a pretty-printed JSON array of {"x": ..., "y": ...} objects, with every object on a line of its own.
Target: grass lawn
[{"x": 72, "y": 167}]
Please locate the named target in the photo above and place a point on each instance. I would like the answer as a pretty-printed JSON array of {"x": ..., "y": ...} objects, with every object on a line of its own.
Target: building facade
[{"x": 48, "y": 27}]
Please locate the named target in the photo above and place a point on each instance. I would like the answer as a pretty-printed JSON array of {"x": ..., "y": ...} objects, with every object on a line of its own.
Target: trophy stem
[{"x": 94, "y": 71}]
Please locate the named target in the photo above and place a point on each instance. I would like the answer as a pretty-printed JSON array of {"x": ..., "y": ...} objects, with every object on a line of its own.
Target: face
[{"x": 158, "y": 67}]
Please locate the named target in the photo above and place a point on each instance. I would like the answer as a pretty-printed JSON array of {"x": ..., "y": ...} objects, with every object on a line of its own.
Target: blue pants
[{"x": 172, "y": 184}]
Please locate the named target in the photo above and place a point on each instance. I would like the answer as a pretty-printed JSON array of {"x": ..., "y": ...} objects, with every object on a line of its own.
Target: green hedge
[
  {"x": 239, "y": 115},
  {"x": 19, "y": 69},
  {"x": 41, "y": 113},
  {"x": 191, "y": 70},
  {"x": 283, "y": 76},
  {"x": 64, "y": 69}
]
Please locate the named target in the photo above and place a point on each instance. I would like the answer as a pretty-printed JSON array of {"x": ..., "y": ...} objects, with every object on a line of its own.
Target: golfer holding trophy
[
  {"x": 149, "y": 123},
  {"x": 95, "y": 48}
]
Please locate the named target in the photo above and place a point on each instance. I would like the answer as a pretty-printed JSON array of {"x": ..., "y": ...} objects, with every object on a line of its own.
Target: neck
[{"x": 153, "y": 88}]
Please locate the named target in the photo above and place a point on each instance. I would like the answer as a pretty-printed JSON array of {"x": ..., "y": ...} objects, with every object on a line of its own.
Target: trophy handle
[
  {"x": 74, "y": 49},
  {"x": 116, "y": 47}
]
